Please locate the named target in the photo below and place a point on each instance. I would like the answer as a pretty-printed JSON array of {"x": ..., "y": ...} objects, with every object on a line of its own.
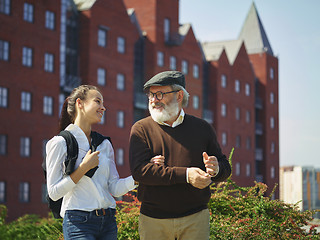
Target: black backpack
[{"x": 72, "y": 155}]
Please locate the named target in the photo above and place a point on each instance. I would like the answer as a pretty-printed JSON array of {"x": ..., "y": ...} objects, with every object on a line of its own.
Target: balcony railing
[
  {"x": 70, "y": 82},
  {"x": 258, "y": 103},
  {"x": 140, "y": 100},
  {"x": 208, "y": 116}
]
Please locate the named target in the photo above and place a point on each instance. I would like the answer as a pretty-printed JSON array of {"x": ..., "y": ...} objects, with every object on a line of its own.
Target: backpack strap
[
  {"x": 72, "y": 151},
  {"x": 96, "y": 140}
]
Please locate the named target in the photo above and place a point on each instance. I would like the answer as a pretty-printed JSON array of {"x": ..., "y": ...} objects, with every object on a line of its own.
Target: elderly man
[{"x": 174, "y": 192}]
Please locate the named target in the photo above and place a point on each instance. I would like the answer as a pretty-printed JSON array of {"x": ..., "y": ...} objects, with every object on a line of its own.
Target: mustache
[{"x": 157, "y": 104}]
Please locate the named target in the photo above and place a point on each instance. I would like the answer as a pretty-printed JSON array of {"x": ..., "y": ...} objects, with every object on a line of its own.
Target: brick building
[{"x": 47, "y": 48}]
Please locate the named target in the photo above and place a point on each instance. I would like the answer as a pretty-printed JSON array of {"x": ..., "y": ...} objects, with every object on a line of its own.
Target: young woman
[{"x": 88, "y": 207}]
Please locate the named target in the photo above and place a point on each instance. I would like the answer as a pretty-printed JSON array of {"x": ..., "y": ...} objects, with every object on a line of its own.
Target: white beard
[{"x": 168, "y": 112}]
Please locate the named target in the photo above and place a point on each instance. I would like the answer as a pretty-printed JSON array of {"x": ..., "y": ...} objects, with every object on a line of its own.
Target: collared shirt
[
  {"x": 89, "y": 193},
  {"x": 176, "y": 122}
]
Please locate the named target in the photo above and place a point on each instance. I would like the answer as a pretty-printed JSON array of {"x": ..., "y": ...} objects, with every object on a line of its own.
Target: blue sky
[{"x": 293, "y": 30}]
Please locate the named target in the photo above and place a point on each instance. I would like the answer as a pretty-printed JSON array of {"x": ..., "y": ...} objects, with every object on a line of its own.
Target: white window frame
[
  {"x": 28, "y": 11},
  {"x": 238, "y": 169},
  {"x": 25, "y": 147},
  {"x": 247, "y": 89},
  {"x": 195, "y": 70},
  {"x": 271, "y": 73},
  {"x": 48, "y": 105},
  {"x": 48, "y": 62},
  {"x": 120, "y": 119},
  {"x": 101, "y": 76},
  {"x": 173, "y": 63},
  {"x": 3, "y": 192},
  {"x": 24, "y": 192},
  {"x": 184, "y": 67},
  {"x": 5, "y": 6},
  {"x": 4, "y": 97},
  {"x": 223, "y": 109},
  {"x": 248, "y": 143},
  {"x": 50, "y": 20},
  {"x": 248, "y": 116},
  {"x": 248, "y": 169},
  {"x": 224, "y": 139},
  {"x": 238, "y": 113},
  {"x": 166, "y": 29},
  {"x": 27, "y": 55},
  {"x": 160, "y": 59},
  {"x": 26, "y": 101},
  {"x": 272, "y": 172},
  {"x": 223, "y": 81},
  {"x": 272, "y": 98},
  {"x": 272, "y": 122},
  {"x": 120, "y": 156},
  {"x": 121, "y": 82},
  {"x": 4, "y": 50},
  {"x": 238, "y": 141},
  {"x": 121, "y": 45},
  {"x": 237, "y": 86},
  {"x": 272, "y": 147},
  {"x": 102, "y": 37},
  {"x": 196, "y": 102}
]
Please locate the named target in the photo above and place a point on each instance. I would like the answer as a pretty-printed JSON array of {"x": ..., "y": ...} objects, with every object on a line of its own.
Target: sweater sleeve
[{"x": 143, "y": 170}]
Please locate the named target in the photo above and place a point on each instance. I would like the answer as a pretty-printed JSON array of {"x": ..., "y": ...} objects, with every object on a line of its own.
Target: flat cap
[{"x": 166, "y": 78}]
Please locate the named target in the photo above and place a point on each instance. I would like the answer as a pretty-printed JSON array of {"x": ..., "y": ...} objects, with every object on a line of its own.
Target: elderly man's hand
[
  {"x": 211, "y": 163},
  {"x": 198, "y": 178}
]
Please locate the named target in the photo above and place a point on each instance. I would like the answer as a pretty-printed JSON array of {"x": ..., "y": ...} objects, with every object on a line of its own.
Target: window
[
  {"x": 248, "y": 116},
  {"x": 120, "y": 82},
  {"x": 25, "y": 143},
  {"x": 5, "y": 6},
  {"x": 101, "y": 77},
  {"x": 173, "y": 63},
  {"x": 166, "y": 29},
  {"x": 3, "y": 144},
  {"x": 160, "y": 59},
  {"x": 120, "y": 156},
  {"x": 272, "y": 122},
  {"x": 4, "y": 50},
  {"x": 248, "y": 169},
  {"x": 195, "y": 71},
  {"x": 48, "y": 62},
  {"x": 238, "y": 169},
  {"x": 26, "y": 101},
  {"x": 184, "y": 67},
  {"x": 272, "y": 150},
  {"x": 271, "y": 98},
  {"x": 223, "y": 110},
  {"x": 195, "y": 102},
  {"x": 50, "y": 20},
  {"x": 47, "y": 105},
  {"x": 102, "y": 37},
  {"x": 24, "y": 192},
  {"x": 2, "y": 192},
  {"x": 248, "y": 143},
  {"x": 272, "y": 172},
  {"x": 237, "y": 113},
  {"x": 120, "y": 119},
  {"x": 271, "y": 73},
  {"x": 121, "y": 45},
  {"x": 247, "y": 89},
  {"x": 223, "y": 81},
  {"x": 237, "y": 86},
  {"x": 27, "y": 56},
  {"x": 238, "y": 141},
  {"x": 224, "y": 139},
  {"x": 44, "y": 193},
  {"x": 28, "y": 12},
  {"x": 3, "y": 97}
]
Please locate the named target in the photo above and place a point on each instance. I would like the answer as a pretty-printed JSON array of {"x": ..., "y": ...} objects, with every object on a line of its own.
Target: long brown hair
[{"x": 68, "y": 111}]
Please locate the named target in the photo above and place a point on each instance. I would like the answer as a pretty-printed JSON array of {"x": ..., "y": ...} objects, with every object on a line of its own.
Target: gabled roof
[
  {"x": 253, "y": 34},
  {"x": 213, "y": 50}
]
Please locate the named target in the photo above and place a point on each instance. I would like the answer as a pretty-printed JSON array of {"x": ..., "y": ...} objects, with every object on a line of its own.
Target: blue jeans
[{"x": 95, "y": 225}]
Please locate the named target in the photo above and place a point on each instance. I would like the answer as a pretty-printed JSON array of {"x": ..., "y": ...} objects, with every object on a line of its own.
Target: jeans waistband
[{"x": 97, "y": 212}]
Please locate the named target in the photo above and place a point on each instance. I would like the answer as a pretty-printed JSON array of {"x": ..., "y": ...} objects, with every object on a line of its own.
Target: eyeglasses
[{"x": 159, "y": 94}]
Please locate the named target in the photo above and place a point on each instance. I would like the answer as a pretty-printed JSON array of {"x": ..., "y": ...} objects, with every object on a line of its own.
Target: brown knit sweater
[{"x": 163, "y": 190}]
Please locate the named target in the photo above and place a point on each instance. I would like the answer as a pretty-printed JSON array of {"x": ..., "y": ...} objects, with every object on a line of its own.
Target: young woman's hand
[{"x": 90, "y": 160}]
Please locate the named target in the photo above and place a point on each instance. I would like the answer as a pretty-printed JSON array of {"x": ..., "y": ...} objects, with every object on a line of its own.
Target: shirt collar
[{"x": 176, "y": 122}]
